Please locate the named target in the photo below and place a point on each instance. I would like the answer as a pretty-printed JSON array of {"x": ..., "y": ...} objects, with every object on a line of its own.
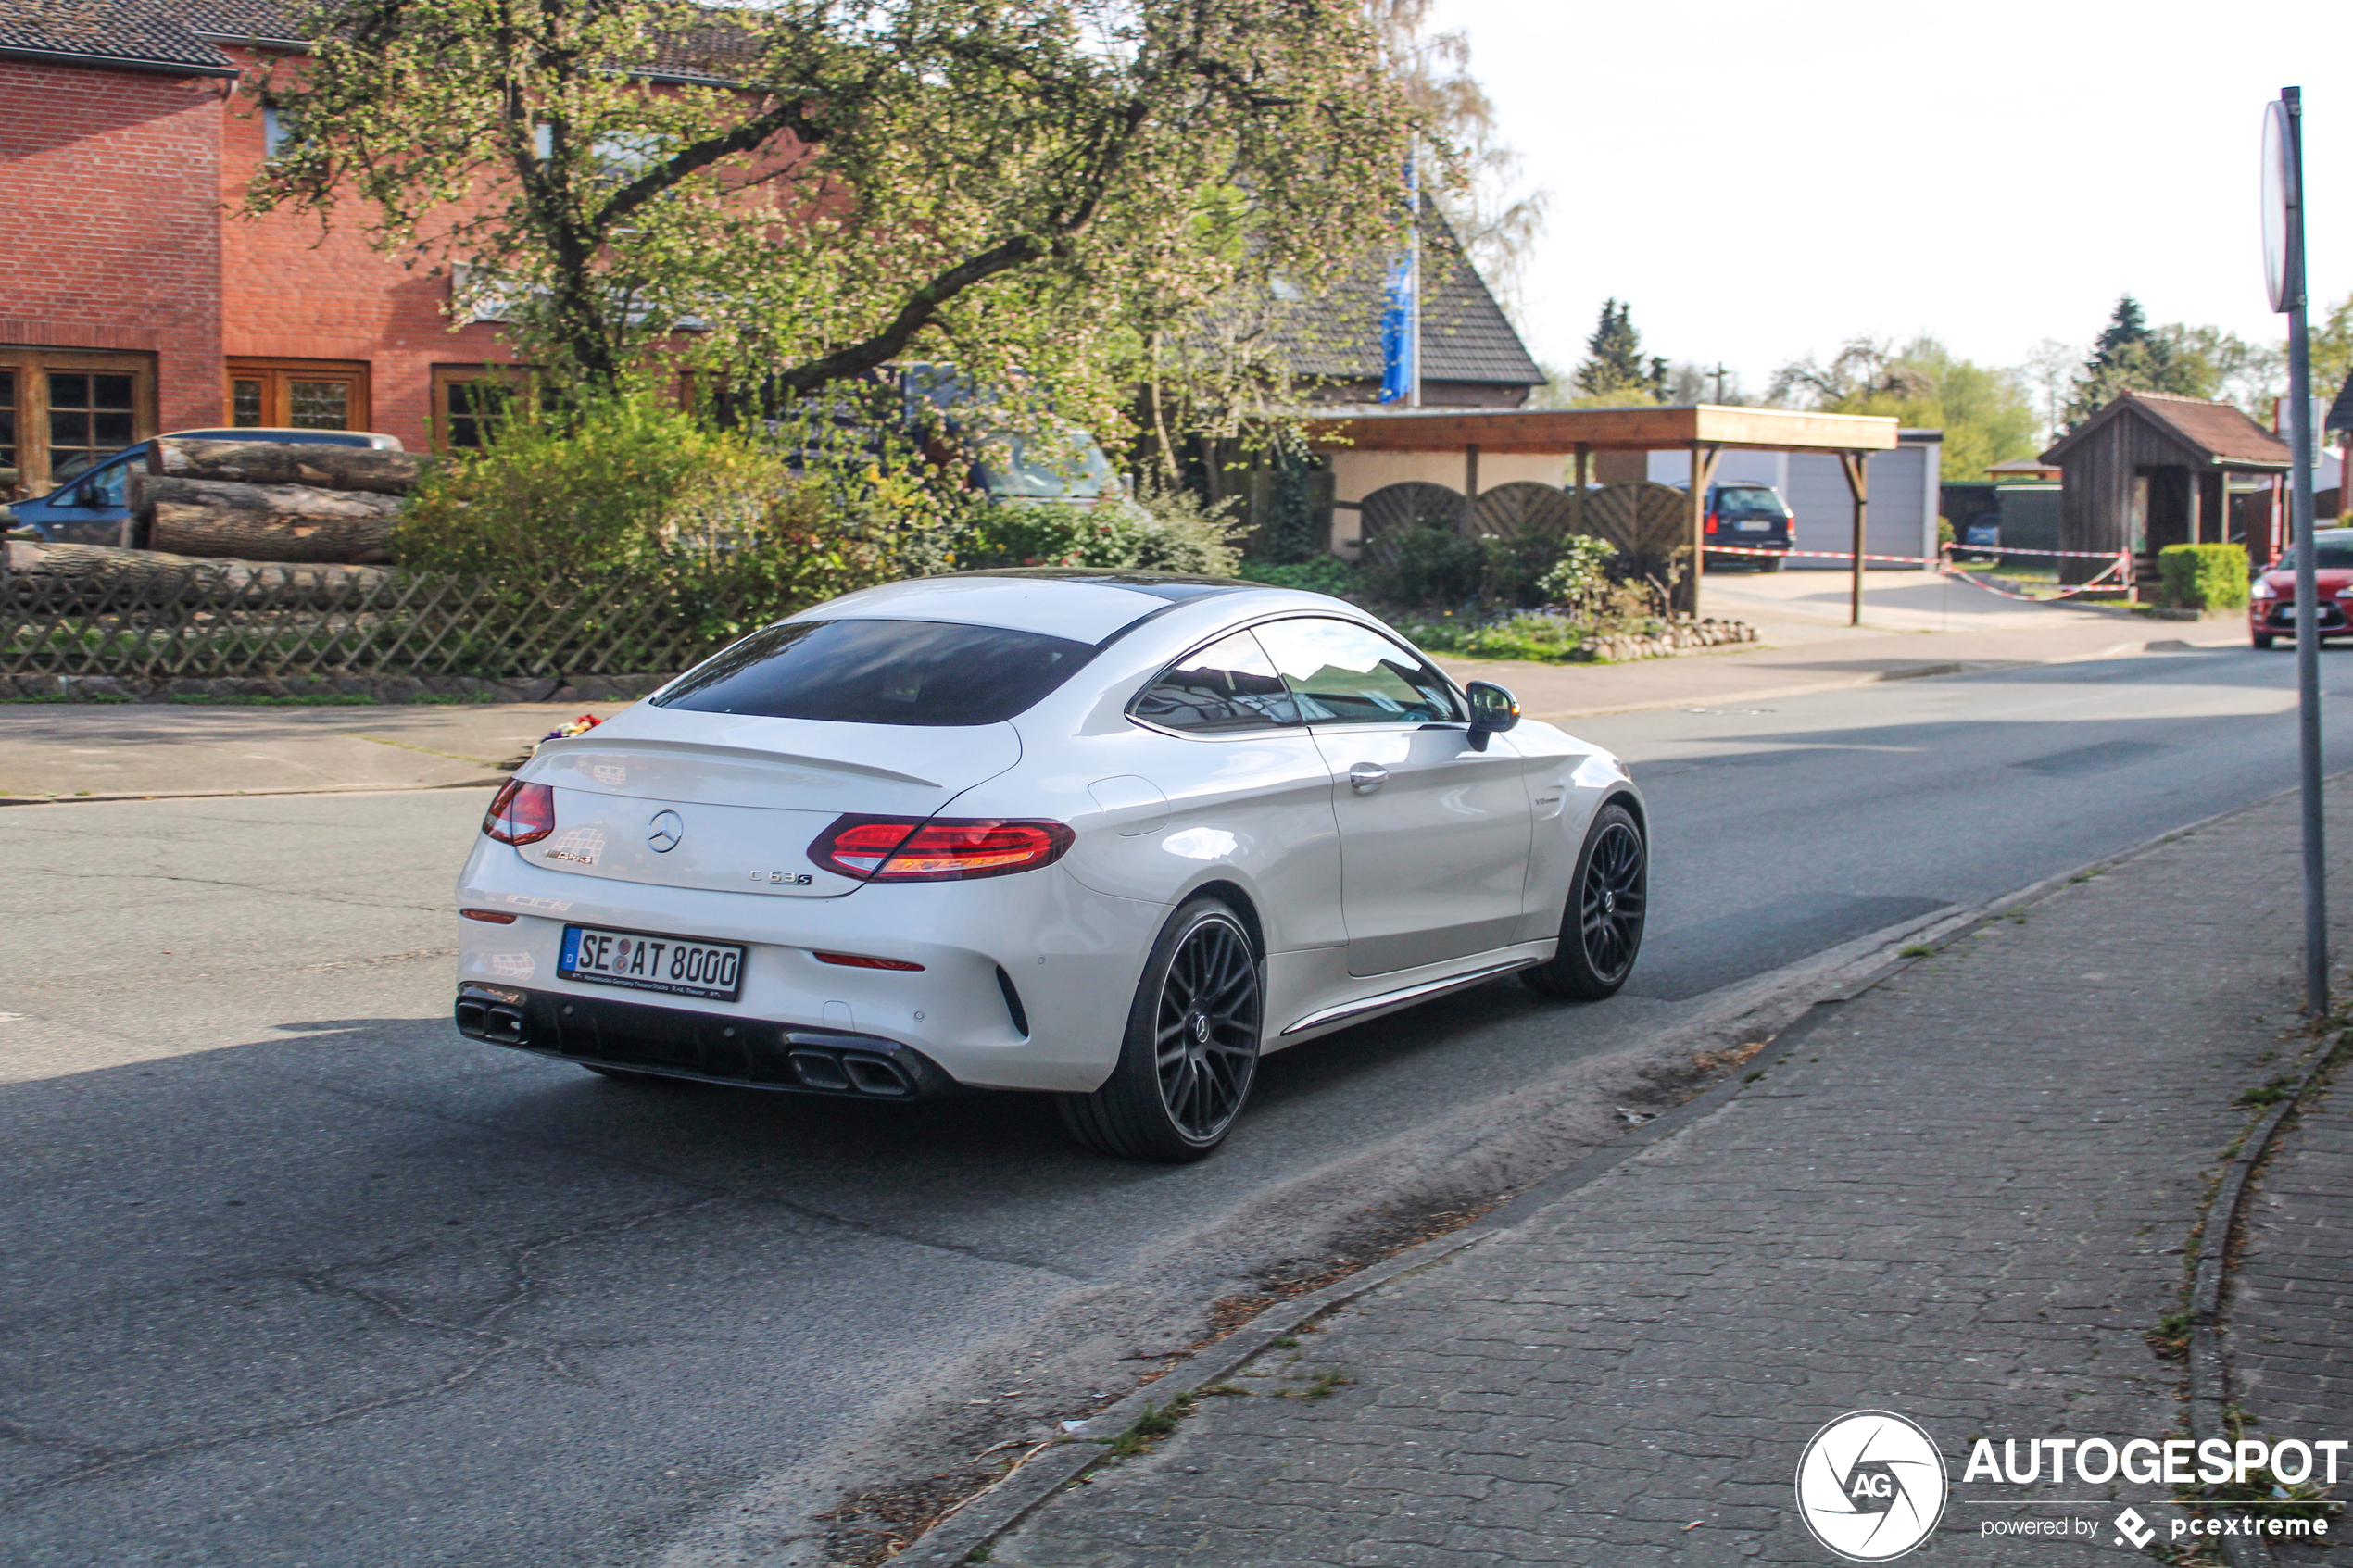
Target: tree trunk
[
  {"x": 268, "y": 535},
  {"x": 274, "y": 462},
  {"x": 98, "y": 576},
  {"x": 294, "y": 500}
]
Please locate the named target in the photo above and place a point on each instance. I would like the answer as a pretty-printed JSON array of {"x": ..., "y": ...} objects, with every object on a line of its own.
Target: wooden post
[
  {"x": 1702, "y": 475},
  {"x": 1470, "y": 472},
  {"x": 1577, "y": 494},
  {"x": 1857, "y": 485},
  {"x": 2197, "y": 504}
]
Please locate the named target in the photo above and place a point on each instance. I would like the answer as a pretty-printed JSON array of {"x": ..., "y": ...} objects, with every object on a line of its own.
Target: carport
[{"x": 1447, "y": 447}]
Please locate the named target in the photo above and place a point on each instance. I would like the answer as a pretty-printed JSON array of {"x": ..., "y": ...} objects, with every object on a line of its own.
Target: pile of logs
[{"x": 273, "y": 501}]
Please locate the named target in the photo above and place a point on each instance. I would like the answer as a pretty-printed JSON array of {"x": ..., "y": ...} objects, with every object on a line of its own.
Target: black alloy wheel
[
  {"x": 1602, "y": 927},
  {"x": 1192, "y": 1049}
]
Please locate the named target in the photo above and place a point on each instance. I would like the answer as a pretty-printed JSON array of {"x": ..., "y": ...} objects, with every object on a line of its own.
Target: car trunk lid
[{"x": 731, "y": 803}]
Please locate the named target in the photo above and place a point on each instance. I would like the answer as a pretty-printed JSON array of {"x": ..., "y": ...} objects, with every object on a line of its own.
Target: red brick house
[{"x": 138, "y": 299}]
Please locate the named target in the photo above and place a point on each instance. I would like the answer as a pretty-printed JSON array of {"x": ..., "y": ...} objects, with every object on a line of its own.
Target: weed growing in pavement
[
  {"x": 2170, "y": 1338},
  {"x": 1285, "y": 1342},
  {"x": 1223, "y": 1391},
  {"x": 1754, "y": 1076},
  {"x": 2271, "y": 1092},
  {"x": 1322, "y": 1386},
  {"x": 1157, "y": 1421},
  {"x": 1918, "y": 950}
]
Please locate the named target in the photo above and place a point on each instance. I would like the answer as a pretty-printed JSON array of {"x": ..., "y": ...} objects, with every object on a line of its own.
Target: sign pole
[{"x": 2284, "y": 235}]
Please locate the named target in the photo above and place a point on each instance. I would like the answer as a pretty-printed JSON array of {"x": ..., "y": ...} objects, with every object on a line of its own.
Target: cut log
[
  {"x": 294, "y": 500},
  {"x": 58, "y": 577},
  {"x": 268, "y": 535},
  {"x": 285, "y": 462}
]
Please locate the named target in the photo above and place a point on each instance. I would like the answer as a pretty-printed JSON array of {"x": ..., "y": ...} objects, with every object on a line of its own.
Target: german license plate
[
  {"x": 682, "y": 966},
  {"x": 1752, "y": 525}
]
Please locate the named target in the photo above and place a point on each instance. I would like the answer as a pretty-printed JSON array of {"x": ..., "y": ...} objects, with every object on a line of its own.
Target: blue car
[
  {"x": 92, "y": 505},
  {"x": 1751, "y": 517}
]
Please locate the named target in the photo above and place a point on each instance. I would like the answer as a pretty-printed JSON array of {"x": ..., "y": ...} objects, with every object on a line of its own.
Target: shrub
[
  {"x": 1426, "y": 565},
  {"x": 2203, "y": 576},
  {"x": 628, "y": 489},
  {"x": 1320, "y": 574},
  {"x": 1157, "y": 531}
]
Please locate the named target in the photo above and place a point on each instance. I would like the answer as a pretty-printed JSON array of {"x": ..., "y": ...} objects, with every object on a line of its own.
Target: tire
[
  {"x": 1771, "y": 563},
  {"x": 1190, "y": 1053},
  {"x": 2260, "y": 639},
  {"x": 1602, "y": 927}
]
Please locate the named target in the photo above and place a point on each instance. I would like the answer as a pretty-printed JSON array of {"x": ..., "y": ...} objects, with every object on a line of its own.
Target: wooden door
[{"x": 297, "y": 394}]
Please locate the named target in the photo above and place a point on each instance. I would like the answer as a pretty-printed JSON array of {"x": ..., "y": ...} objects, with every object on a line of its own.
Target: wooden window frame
[
  {"x": 33, "y": 365},
  {"x": 521, "y": 377},
  {"x": 275, "y": 373}
]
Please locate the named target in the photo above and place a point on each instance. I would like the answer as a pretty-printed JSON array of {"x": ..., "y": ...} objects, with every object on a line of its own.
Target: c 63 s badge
[{"x": 783, "y": 879}]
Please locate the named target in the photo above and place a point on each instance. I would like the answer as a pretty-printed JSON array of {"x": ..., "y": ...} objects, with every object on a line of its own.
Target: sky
[{"x": 1766, "y": 181}]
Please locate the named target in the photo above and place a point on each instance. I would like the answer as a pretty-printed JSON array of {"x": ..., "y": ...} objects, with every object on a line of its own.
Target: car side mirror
[{"x": 1493, "y": 710}]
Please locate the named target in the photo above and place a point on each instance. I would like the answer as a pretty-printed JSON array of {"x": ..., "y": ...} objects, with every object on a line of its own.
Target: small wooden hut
[{"x": 2152, "y": 469}]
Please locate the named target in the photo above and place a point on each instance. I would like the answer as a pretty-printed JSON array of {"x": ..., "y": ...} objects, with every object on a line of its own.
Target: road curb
[
  {"x": 1925, "y": 669},
  {"x": 491, "y": 781},
  {"x": 2209, "y": 1369}
]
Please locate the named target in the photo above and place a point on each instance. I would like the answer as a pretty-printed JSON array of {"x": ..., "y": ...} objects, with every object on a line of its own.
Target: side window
[
  {"x": 1226, "y": 688},
  {"x": 1347, "y": 674},
  {"x": 110, "y": 486}
]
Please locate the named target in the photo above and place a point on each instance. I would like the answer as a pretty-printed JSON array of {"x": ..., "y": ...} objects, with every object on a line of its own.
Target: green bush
[
  {"x": 2203, "y": 576},
  {"x": 1157, "y": 531},
  {"x": 1319, "y": 574},
  {"x": 1424, "y": 566},
  {"x": 627, "y": 490}
]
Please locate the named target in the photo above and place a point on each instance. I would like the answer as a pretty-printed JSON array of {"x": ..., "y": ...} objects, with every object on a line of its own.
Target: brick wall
[
  {"x": 109, "y": 237},
  {"x": 294, "y": 289}
]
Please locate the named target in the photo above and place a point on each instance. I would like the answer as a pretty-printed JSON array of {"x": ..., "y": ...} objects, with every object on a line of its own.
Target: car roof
[{"x": 1084, "y": 604}]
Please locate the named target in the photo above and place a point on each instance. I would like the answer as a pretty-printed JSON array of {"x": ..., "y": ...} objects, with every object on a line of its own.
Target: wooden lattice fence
[{"x": 197, "y": 622}]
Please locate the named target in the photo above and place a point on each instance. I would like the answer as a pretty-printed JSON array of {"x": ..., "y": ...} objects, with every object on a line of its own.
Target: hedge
[{"x": 2203, "y": 576}]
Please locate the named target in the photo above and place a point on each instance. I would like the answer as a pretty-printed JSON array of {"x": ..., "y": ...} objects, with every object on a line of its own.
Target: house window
[
  {"x": 63, "y": 410},
  {"x": 275, "y": 131},
  {"x": 8, "y": 471},
  {"x": 297, "y": 394},
  {"x": 471, "y": 401}
]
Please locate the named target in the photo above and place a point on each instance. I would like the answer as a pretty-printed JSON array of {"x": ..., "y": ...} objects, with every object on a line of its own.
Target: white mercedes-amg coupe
[{"x": 1105, "y": 835}]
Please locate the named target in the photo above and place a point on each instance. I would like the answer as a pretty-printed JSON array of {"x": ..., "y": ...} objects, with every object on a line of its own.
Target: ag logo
[{"x": 1871, "y": 1485}]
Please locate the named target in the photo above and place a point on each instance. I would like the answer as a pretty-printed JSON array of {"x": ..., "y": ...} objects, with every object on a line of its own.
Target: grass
[
  {"x": 61, "y": 696},
  {"x": 1157, "y": 1421},
  {"x": 312, "y": 699},
  {"x": 2272, "y": 1093}
]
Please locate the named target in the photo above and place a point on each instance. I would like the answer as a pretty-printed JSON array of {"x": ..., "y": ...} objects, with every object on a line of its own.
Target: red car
[{"x": 2271, "y": 605}]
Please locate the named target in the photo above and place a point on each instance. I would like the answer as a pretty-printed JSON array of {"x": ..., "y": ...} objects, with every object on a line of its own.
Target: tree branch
[{"x": 916, "y": 315}]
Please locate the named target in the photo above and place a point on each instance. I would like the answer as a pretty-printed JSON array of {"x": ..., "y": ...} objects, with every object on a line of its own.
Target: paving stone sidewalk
[
  {"x": 2289, "y": 1311},
  {"x": 1960, "y": 1197}
]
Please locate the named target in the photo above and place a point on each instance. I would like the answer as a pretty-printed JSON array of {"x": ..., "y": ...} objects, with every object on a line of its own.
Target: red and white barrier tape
[{"x": 1942, "y": 563}]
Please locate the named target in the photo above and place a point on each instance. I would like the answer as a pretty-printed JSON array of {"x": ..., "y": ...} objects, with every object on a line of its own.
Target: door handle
[{"x": 1366, "y": 777}]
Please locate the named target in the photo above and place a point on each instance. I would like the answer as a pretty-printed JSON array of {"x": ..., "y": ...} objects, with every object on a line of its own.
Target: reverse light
[
  {"x": 862, "y": 960},
  {"x": 521, "y": 813},
  {"x": 941, "y": 850}
]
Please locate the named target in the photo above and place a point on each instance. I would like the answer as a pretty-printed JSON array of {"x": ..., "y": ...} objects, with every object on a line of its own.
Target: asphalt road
[{"x": 291, "y": 1274}]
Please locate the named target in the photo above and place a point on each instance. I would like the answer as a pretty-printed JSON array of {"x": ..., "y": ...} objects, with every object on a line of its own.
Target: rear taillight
[
  {"x": 1712, "y": 520},
  {"x": 943, "y": 849},
  {"x": 521, "y": 813}
]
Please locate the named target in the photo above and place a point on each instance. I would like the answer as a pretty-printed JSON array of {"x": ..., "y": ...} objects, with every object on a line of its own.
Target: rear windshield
[
  {"x": 2336, "y": 553},
  {"x": 880, "y": 672},
  {"x": 1748, "y": 499}
]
